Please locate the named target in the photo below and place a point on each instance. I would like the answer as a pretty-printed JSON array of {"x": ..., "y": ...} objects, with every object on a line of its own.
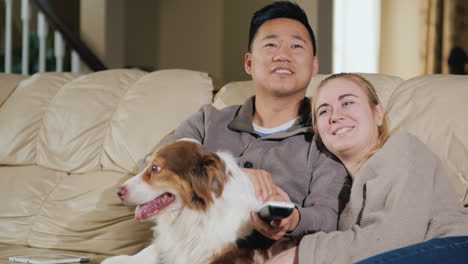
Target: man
[{"x": 271, "y": 133}]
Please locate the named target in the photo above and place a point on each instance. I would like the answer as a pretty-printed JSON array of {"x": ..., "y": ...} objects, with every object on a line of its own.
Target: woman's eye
[
  {"x": 348, "y": 103},
  {"x": 322, "y": 112},
  {"x": 156, "y": 169}
]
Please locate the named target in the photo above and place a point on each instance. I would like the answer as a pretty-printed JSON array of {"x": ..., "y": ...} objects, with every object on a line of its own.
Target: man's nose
[{"x": 282, "y": 54}]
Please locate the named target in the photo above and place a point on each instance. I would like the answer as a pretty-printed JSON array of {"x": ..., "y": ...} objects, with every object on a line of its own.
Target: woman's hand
[{"x": 286, "y": 257}]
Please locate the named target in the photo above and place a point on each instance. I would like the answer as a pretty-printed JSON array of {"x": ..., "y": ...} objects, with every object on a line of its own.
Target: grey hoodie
[{"x": 312, "y": 179}]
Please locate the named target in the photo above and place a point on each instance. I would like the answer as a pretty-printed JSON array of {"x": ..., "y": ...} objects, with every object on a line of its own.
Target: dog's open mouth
[{"x": 150, "y": 209}]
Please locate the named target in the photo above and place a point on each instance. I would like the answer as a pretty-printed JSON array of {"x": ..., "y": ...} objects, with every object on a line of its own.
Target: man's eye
[
  {"x": 346, "y": 103},
  {"x": 270, "y": 45},
  {"x": 156, "y": 169},
  {"x": 296, "y": 46}
]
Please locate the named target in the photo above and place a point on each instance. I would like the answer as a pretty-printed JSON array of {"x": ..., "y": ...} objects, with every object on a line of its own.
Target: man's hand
[
  {"x": 276, "y": 229},
  {"x": 262, "y": 182}
]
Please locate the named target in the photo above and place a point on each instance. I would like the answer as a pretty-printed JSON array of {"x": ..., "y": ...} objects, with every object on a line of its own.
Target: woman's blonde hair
[{"x": 383, "y": 130}]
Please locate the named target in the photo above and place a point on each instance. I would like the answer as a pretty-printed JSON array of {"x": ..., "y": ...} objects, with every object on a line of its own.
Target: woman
[{"x": 400, "y": 194}]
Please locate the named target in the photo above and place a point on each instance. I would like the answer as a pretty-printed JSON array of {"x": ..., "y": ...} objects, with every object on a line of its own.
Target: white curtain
[{"x": 356, "y": 36}]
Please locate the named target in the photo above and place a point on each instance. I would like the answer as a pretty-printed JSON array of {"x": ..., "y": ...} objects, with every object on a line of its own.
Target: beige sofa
[{"x": 68, "y": 140}]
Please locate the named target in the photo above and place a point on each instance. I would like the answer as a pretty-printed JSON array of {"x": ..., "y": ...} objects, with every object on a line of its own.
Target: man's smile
[{"x": 282, "y": 70}]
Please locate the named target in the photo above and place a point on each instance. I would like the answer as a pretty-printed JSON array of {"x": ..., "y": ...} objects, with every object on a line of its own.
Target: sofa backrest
[
  {"x": 237, "y": 92},
  {"x": 109, "y": 119},
  {"x": 69, "y": 140},
  {"x": 434, "y": 108}
]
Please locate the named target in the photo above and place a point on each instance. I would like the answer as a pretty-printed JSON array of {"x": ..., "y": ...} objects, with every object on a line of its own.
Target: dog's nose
[{"x": 122, "y": 192}]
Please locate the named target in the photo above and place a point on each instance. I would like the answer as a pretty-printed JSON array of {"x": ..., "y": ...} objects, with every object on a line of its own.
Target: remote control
[{"x": 273, "y": 210}]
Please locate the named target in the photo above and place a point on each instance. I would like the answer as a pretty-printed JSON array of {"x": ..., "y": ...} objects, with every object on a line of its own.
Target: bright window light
[{"x": 356, "y": 36}]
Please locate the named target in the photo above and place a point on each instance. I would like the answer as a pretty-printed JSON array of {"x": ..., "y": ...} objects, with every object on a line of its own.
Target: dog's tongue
[{"x": 150, "y": 209}]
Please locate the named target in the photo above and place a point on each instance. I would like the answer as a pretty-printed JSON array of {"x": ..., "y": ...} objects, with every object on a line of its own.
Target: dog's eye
[{"x": 156, "y": 169}]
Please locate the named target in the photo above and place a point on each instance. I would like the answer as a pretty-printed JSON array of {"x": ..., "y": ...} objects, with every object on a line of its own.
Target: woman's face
[{"x": 347, "y": 124}]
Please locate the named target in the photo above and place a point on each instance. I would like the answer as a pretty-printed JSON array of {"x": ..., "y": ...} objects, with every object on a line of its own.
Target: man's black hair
[{"x": 280, "y": 9}]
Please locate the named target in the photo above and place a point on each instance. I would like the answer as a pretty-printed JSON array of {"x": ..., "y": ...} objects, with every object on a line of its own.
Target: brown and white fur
[{"x": 207, "y": 202}]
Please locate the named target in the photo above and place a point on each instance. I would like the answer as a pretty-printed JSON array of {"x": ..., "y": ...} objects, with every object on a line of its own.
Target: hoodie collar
[{"x": 243, "y": 120}]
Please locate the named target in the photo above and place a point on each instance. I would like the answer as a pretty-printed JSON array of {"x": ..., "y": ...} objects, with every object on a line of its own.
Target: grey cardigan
[
  {"x": 400, "y": 197},
  {"x": 312, "y": 179}
]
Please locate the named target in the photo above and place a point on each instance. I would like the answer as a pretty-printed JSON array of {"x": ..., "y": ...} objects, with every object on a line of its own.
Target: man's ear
[
  {"x": 379, "y": 114},
  {"x": 248, "y": 63},
  {"x": 315, "y": 64}
]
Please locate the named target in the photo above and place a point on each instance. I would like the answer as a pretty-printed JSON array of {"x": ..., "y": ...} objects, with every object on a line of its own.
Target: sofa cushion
[
  {"x": 25, "y": 188},
  {"x": 237, "y": 92},
  {"x": 433, "y": 107},
  {"x": 83, "y": 213},
  {"x": 79, "y": 212}
]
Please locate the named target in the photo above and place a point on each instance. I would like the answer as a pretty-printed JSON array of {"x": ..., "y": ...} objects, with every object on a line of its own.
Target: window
[{"x": 356, "y": 36}]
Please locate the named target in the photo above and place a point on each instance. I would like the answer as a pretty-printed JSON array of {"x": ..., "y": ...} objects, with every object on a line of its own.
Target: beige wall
[
  {"x": 321, "y": 23},
  {"x": 324, "y": 30},
  {"x": 237, "y": 15},
  {"x": 217, "y": 31},
  {"x": 101, "y": 24},
  {"x": 400, "y": 43},
  {"x": 141, "y": 34},
  {"x": 189, "y": 35},
  {"x": 202, "y": 35},
  {"x": 211, "y": 35}
]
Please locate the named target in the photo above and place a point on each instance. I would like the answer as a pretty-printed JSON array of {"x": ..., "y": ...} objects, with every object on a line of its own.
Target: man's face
[{"x": 281, "y": 61}]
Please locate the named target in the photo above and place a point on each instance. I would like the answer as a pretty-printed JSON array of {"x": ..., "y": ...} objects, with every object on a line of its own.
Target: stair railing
[{"x": 63, "y": 36}]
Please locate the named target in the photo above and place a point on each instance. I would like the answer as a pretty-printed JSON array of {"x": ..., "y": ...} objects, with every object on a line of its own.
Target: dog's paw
[{"x": 123, "y": 259}]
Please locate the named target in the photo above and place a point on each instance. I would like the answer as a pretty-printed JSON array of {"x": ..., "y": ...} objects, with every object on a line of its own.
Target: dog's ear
[
  {"x": 209, "y": 179},
  {"x": 215, "y": 171}
]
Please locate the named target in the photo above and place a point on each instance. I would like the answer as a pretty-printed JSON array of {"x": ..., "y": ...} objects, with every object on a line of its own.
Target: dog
[{"x": 201, "y": 203}]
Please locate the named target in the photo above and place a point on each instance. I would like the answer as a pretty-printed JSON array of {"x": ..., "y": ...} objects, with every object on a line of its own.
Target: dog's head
[{"x": 181, "y": 174}]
